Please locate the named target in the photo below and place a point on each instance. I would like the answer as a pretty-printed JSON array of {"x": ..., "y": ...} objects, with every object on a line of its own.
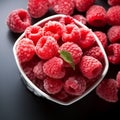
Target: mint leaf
[{"x": 67, "y": 57}]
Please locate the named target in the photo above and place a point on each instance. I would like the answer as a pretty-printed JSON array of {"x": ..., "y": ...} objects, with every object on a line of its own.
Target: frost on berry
[{"x": 118, "y": 79}]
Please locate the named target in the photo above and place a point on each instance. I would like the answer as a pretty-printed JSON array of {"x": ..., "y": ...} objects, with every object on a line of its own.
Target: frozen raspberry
[
  {"x": 54, "y": 29},
  {"x": 75, "y": 85},
  {"x": 96, "y": 16},
  {"x": 46, "y": 47},
  {"x": 53, "y": 86},
  {"x": 90, "y": 67},
  {"x": 25, "y": 50},
  {"x": 87, "y": 39},
  {"x": 102, "y": 37},
  {"x": 114, "y": 2},
  {"x": 80, "y": 18},
  {"x": 83, "y": 5},
  {"x": 113, "y": 15},
  {"x": 37, "y": 8},
  {"x": 38, "y": 71},
  {"x": 54, "y": 68},
  {"x": 107, "y": 90},
  {"x": 113, "y": 52},
  {"x": 114, "y": 34},
  {"x": 96, "y": 53},
  {"x": 18, "y": 20},
  {"x": 73, "y": 49},
  {"x": 34, "y": 33},
  {"x": 71, "y": 33},
  {"x": 118, "y": 79},
  {"x": 63, "y": 6}
]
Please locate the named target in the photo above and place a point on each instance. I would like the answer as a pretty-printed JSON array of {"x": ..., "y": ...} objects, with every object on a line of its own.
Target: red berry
[
  {"x": 107, "y": 90},
  {"x": 90, "y": 67},
  {"x": 96, "y": 16},
  {"x": 53, "y": 86},
  {"x": 114, "y": 34},
  {"x": 118, "y": 79},
  {"x": 25, "y": 50},
  {"x": 34, "y": 33},
  {"x": 54, "y": 68},
  {"x": 46, "y": 47},
  {"x": 83, "y": 5},
  {"x": 113, "y": 52},
  {"x": 75, "y": 85},
  {"x": 113, "y": 16},
  {"x": 18, "y": 20},
  {"x": 37, "y": 8},
  {"x": 114, "y": 2}
]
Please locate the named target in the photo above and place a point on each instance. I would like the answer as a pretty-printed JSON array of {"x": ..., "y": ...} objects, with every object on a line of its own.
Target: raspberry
[
  {"x": 96, "y": 16},
  {"x": 54, "y": 68},
  {"x": 113, "y": 15},
  {"x": 75, "y": 85},
  {"x": 53, "y": 86},
  {"x": 114, "y": 2},
  {"x": 34, "y": 33},
  {"x": 73, "y": 49},
  {"x": 118, "y": 79},
  {"x": 96, "y": 53},
  {"x": 71, "y": 33},
  {"x": 107, "y": 90},
  {"x": 80, "y": 18},
  {"x": 46, "y": 47},
  {"x": 113, "y": 52},
  {"x": 114, "y": 34},
  {"x": 63, "y": 6},
  {"x": 37, "y": 8},
  {"x": 54, "y": 29},
  {"x": 102, "y": 37},
  {"x": 90, "y": 67},
  {"x": 83, "y": 5},
  {"x": 87, "y": 39},
  {"x": 38, "y": 71},
  {"x": 25, "y": 50},
  {"x": 18, "y": 20}
]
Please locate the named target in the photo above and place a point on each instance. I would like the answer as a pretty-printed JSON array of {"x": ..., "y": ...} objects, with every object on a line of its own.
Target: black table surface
[{"x": 18, "y": 103}]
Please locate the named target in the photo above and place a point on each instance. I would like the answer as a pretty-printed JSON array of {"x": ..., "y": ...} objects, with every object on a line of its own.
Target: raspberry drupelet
[{"x": 114, "y": 2}]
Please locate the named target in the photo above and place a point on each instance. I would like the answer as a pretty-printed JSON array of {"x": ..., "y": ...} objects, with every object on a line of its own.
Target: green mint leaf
[{"x": 67, "y": 57}]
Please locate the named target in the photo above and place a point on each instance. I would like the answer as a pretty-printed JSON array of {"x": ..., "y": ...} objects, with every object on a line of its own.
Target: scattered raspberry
[
  {"x": 25, "y": 50},
  {"x": 37, "y": 8},
  {"x": 113, "y": 16},
  {"x": 118, "y": 79},
  {"x": 34, "y": 33},
  {"x": 87, "y": 39},
  {"x": 83, "y": 5},
  {"x": 73, "y": 49},
  {"x": 96, "y": 16},
  {"x": 107, "y": 90},
  {"x": 113, "y": 51},
  {"x": 102, "y": 37},
  {"x": 18, "y": 20},
  {"x": 114, "y": 2},
  {"x": 96, "y": 53},
  {"x": 75, "y": 85},
  {"x": 63, "y": 6},
  {"x": 53, "y": 86},
  {"x": 114, "y": 34},
  {"x": 54, "y": 29},
  {"x": 90, "y": 67},
  {"x": 46, "y": 47},
  {"x": 38, "y": 71},
  {"x": 54, "y": 68},
  {"x": 80, "y": 18},
  {"x": 71, "y": 33}
]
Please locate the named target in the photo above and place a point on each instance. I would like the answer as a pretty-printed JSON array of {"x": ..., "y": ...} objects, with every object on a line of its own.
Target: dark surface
[{"x": 18, "y": 103}]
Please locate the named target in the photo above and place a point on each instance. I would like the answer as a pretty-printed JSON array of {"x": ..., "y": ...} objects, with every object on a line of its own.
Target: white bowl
[{"x": 32, "y": 87}]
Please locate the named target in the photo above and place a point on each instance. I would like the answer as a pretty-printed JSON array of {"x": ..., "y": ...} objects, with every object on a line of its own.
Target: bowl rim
[{"x": 39, "y": 92}]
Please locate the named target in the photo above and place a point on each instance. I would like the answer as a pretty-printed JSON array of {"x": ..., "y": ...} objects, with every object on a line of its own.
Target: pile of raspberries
[{"x": 44, "y": 51}]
